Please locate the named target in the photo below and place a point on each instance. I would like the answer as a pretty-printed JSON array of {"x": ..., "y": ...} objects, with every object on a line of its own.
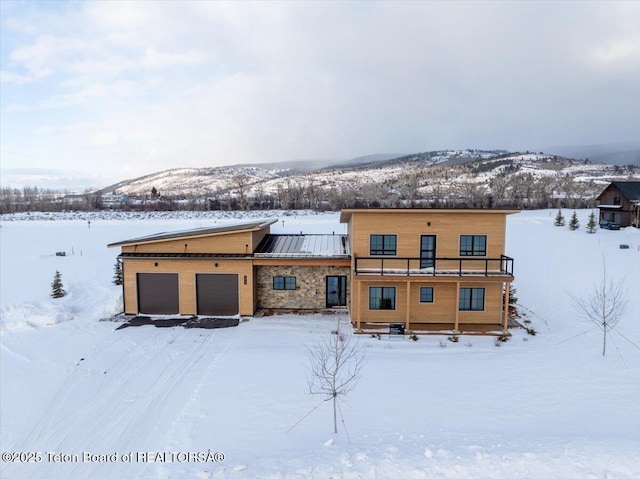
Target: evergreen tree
[
  {"x": 559, "y": 219},
  {"x": 57, "y": 291},
  {"x": 574, "y": 224},
  {"x": 591, "y": 225},
  {"x": 118, "y": 278}
]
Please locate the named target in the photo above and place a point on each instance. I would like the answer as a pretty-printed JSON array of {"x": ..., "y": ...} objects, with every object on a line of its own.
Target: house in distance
[
  {"x": 429, "y": 269},
  {"x": 620, "y": 203}
]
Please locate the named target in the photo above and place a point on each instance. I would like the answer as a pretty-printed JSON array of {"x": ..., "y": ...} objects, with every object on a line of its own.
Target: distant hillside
[
  {"x": 621, "y": 153},
  {"x": 448, "y": 175}
]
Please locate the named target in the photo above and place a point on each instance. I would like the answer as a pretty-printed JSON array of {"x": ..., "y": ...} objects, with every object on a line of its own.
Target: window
[
  {"x": 471, "y": 299},
  {"x": 426, "y": 295},
  {"x": 382, "y": 298},
  {"x": 383, "y": 245},
  {"x": 473, "y": 245},
  {"x": 427, "y": 251},
  {"x": 284, "y": 282},
  {"x": 616, "y": 200}
]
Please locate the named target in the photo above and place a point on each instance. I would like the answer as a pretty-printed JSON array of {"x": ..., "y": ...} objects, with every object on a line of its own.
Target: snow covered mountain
[{"x": 425, "y": 174}]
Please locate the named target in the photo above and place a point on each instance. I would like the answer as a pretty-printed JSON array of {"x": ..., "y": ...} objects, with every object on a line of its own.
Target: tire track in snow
[
  {"x": 130, "y": 403},
  {"x": 178, "y": 427},
  {"x": 58, "y": 400}
]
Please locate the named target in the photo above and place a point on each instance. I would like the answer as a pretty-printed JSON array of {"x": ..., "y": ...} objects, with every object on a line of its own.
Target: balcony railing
[{"x": 467, "y": 266}]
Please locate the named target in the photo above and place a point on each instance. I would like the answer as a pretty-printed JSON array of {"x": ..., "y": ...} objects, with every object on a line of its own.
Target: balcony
[{"x": 468, "y": 266}]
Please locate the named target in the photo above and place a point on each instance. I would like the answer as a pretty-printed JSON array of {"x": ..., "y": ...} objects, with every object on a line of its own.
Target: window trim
[
  {"x": 471, "y": 299},
  {"x": 286, "y": 283},
  {"x": 432, "y": 294},
  {"x": 473, "y": 251},
  {"x": 383, "y": 298},
  {"x": 384, "y": 251}
]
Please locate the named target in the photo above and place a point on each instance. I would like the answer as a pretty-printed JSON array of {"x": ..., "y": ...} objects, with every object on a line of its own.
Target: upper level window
[
  {"x": 473, "y": 245},
  {"x": 284, "y": 282},
  {"x": 382, "y": 245},
  {"x": 616, "y": 200}
]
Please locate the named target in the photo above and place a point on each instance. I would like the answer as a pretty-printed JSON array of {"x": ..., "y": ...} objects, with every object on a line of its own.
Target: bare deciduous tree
[
  {"x": 335, "y": 366},
  {"x": 240, "y": 182},
  {"x": 605, "y": 306}
]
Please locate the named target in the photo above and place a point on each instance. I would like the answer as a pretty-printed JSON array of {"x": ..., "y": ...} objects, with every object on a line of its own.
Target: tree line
[{"x": 437, "y": 187}]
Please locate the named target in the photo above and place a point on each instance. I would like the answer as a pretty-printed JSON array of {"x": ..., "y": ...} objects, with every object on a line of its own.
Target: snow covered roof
[
  {"x": 229, "y": 228},
  {"x": 291, "y": 246}
]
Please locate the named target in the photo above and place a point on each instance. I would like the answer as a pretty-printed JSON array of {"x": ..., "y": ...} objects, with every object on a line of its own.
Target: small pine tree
[
  {"x": 513, "y": 298},
  {"x": 591, "y": 225},
  {"x": 574, "y": 224},
  {"x": 118, "y": 278},
  {"x": 559, "y": 219},
  {"x": 57, "y": 291}
]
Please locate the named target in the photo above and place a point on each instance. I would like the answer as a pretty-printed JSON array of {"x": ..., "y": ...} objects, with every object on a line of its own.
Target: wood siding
[
  {"x": 187, "y": 270},
  {"x": 442, "y": 310},
  {"x": 447, "y": 225},
  {"x": 409, "y": 225},
  {"x": 228, "y": 243}
]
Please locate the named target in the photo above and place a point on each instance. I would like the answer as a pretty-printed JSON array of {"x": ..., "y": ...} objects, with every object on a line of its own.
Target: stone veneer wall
[{"x": 311, "y": 286}]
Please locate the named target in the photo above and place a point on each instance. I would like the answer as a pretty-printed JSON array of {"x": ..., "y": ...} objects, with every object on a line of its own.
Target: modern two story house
[{"x": 429, "y": 269}]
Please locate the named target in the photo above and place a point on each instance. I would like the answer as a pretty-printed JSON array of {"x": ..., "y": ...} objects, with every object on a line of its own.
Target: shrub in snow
[
  {"x": 503, "y": 338},
  {"x": 57, "y": 290},
  {"x": 453, "y": 338},
  {"x": 574, "y": 224},
  {"x": 414, "y": 337},
  {"x": 559, "y": 219},
  {"x": 591, "y": 225}
]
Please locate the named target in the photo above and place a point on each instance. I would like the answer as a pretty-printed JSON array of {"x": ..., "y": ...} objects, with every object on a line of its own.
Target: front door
[{"x": 336, "y": 291}]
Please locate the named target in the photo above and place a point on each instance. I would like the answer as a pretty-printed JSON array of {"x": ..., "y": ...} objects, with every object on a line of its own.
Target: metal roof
[
  {"x": 228, "y": 228},
  {"x": 303, "y": 246}
]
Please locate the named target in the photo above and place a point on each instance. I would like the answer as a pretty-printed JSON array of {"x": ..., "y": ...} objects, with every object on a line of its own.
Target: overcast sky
[{"x": 109, "y": 90}]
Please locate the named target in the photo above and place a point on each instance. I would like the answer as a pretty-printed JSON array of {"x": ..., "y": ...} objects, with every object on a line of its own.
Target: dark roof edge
[{"x": 232, "y": 228}]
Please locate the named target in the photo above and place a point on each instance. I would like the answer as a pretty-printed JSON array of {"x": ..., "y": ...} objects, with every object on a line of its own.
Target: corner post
[{"x": 505, "y": 307}]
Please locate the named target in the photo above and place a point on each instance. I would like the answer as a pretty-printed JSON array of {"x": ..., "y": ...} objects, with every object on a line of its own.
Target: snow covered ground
[{"x": 544, "y": 406}]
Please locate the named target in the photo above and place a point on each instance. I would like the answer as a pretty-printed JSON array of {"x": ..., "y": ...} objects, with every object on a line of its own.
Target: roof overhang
[
  {"x": 346, "y": 214},
  {"x": 198, "y": 233}
]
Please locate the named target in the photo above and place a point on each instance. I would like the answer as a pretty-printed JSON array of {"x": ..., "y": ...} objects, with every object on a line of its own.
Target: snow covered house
[
  {"x": 429, "y": 269},
  {"x": 620, "y": 203}
]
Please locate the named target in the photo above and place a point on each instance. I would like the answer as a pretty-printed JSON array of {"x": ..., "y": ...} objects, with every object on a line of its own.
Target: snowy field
[{"x": 540, "y": 407}]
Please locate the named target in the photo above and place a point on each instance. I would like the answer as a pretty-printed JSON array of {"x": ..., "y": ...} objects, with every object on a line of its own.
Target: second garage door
[{"x": 217, "y": 294}]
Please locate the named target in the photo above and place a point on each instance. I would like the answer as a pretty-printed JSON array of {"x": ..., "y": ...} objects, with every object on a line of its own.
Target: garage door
[
  {"x": 158, "y": 293},
  {"x": 217, "y": 294}
]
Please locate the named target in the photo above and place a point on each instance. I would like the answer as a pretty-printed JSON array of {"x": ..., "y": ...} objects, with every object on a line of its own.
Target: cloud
[{"x": 166, "y": 84}]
